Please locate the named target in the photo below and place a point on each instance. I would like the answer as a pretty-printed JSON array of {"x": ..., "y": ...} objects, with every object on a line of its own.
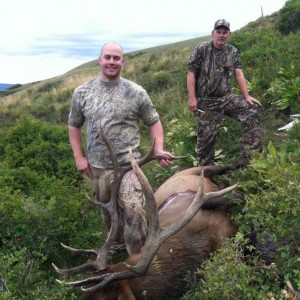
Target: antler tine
[
  {"x": 92, "y": 266},
  {"x": 101, "y": 280},
  {"x": 109, "y": 147},
  {"x": 152, "y": 156},
  {"x": 106, "y": 279},
  {"x": 111, "y": 206},
  {"x": 81, "y": 251},
  {"x": 151, "y": 208}
]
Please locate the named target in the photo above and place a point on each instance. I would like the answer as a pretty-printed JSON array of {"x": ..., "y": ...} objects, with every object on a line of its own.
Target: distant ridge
[{"x": 4, "y": 86}]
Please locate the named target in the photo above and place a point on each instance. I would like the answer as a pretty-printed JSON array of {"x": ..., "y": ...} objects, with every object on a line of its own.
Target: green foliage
[
  {"x": 263, "y": 53},
  {"x": 285, "y": 89},
  {"x": 146, "y": 68},
  {"x": 64, "y": 97},
  {"x": 227, "y": 276},
  {"x": 153, "y": 58},
  {"x": 161, "y": 80},
  {"x": 271, "y": 184},
  {"x": 32, "y": 143},
  {"x": 182, "y": 136},
  {"x": 289, "y": 17},
  {"x": 41, "y": 204},
  {"x": 49, "y": 86},
  {"x": 135, "y": 54}
]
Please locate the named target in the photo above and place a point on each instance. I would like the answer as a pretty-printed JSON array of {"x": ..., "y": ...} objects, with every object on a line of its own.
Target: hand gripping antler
[
  {"x": 156, "y": 234},
  {"x": 111, "y": 207}
]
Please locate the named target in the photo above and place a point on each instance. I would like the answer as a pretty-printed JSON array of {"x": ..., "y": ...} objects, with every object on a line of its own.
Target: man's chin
[{"x": 112, "y": 75}]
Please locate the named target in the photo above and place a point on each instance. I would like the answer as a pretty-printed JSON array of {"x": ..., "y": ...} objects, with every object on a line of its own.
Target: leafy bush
[
  {"x": 227, "y": 276},
  {"x": 182, "y": 136},
  {"x": 49, "y": 86},
  {"x": 34, "y": 144},
  {"x": 289, "y": 17},
  {"x": 285, "y": 89},
  {"x": 161, "y": 80},
  {"x": 42, "y": 204},
  {"x": 271, "y": 184}
]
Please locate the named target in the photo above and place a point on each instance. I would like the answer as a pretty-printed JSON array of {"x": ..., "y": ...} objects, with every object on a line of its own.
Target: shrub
[
  {"x": 41, "y": 204},
  {"x": 49, "y": 86},
  {"x": 40, "y": 147},
  {"x": 289, "y": 17},
  {"x": 271, "y": 185},
  {"x": 285, "y": 89},
  {"x": 161, "y": 80}
]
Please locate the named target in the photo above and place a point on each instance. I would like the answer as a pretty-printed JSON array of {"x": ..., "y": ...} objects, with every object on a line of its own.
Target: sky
[{"x": 47, "y": 38}]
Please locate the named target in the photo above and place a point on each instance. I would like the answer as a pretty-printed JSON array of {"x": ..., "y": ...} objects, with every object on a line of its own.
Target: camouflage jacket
[
  {"x": 213, "y": 69},
  {"x": 117, "y": 108}
]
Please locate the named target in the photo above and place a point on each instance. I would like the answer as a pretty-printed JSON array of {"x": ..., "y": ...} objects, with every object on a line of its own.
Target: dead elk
[{"x": 181, "y": 234}]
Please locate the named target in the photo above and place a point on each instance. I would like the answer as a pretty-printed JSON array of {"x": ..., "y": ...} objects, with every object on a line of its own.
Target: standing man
[
  {"x": 116, "y": 105},
  {"x": 210, "y": 69}
]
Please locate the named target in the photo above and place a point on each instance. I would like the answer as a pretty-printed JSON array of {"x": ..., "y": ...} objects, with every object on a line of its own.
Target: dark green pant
[{"x": 209, "y": 121}]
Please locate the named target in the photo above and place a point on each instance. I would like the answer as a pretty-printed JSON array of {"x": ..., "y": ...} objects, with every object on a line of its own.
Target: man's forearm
[
  {"x": 157, "y": 134},
  {"x": 75, "y": 138},
  {"x": 191, "y": 87},
  {"x": 241, "y": 81},
  {"x": 191, "y": 82}
]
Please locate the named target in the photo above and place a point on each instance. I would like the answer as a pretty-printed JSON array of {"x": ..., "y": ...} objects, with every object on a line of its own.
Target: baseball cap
[{"x": 222, "y": 22}]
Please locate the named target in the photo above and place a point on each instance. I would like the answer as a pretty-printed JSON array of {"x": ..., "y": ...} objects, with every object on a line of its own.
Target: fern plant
[{"x": 285, "y": 89}]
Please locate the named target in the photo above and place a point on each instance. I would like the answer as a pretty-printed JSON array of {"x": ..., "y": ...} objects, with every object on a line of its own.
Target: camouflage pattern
[
  {"x": 208, "y": 123},
  {"x": 116, "y": 107},
  {"x": 213, "y": 68},
  {"x": 132, "y": 221}
]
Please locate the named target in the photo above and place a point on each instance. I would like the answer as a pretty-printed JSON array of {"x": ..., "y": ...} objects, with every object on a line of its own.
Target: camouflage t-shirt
[
  {"x": 213, "y": 69},
  {"x": 117, "y": 108}
]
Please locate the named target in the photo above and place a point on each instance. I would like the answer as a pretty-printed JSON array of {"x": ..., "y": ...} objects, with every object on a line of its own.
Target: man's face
[
  {"x": 111, "y": 62},
  {"x": 220, "y": 36}
]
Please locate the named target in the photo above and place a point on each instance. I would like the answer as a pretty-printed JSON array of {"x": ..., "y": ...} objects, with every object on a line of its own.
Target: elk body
[
  {"x": 187, "y": 220},
  {"x": 182, "y": 252}
]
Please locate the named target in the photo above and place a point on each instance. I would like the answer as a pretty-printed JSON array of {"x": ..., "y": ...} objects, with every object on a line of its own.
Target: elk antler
[
  {"x": 111, "y": 207},
  {"x": 156, "y": 234}
]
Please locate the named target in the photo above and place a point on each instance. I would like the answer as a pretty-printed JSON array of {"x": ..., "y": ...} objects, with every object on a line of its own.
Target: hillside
[{"x": 42, "y": 196}]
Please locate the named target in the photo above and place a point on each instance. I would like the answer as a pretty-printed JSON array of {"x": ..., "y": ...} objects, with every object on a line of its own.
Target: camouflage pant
[
  {"x": 209, "y": 121},
  {"x": 132, "y": 227}
]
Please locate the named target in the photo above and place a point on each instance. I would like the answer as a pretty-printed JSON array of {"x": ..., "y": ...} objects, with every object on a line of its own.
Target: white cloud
[{"x": 44, "y": 39}]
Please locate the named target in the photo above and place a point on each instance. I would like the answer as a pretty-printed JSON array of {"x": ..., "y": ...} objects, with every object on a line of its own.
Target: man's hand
[
  {"x": 252, "y": 101},
  {"x": 168, "y": 159},
  {"x": 192, "y": 103},
  {"x": 83, "y": 166}
]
